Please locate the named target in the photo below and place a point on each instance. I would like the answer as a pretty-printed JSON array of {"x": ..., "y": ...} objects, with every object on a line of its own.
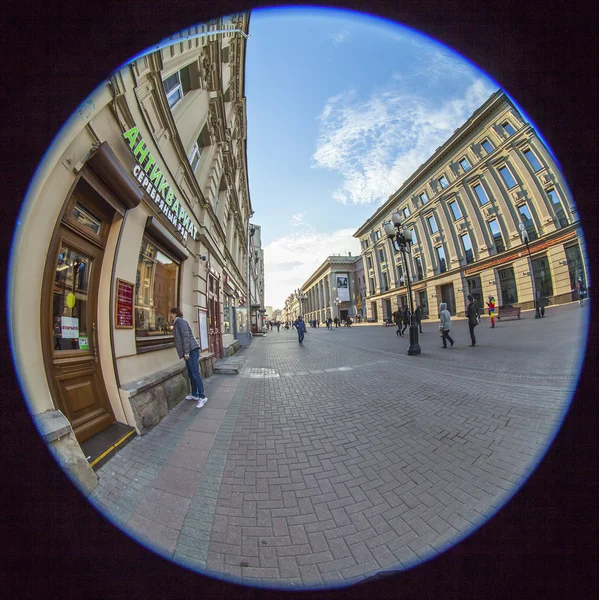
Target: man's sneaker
[
  {"x": 201, "y": 402},
  {"x": 190, "y": 397}
]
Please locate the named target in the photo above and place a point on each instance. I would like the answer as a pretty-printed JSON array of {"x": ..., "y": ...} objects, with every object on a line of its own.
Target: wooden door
[
  {"x": 69, "y": 319},
  {"x": 215, "y": 342}
]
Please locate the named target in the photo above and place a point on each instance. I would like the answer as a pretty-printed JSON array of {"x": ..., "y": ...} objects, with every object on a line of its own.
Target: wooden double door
[
  {"x": 215, "y": 339},
  {"x": 70, "y": 313}
]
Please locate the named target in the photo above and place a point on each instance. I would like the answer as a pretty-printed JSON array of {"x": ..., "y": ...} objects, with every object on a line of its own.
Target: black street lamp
[
  {"x": 299, "y": 294},
  {"x": 525, "y": 239},
  {"x": 403, "y": 237}
]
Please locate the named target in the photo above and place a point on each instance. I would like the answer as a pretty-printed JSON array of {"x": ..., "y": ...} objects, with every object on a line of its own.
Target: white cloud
[
  {"x": 290, "y": 260},
  {"x": 339, "y": 37},
  {"x": 297, "y": 220},
  {"x": 377, "y": 143}
]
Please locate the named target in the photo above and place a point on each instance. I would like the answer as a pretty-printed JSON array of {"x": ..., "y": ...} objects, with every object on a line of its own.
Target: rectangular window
[
  {"x": 480, "y": 194},
  {"x": 400, "y": 272},
  {"x": 465, "y": 164},
  {"x": 558, "y": 208},
  {"x": 432, "y": 224},
  {"x": 194, "y": 157},
  {"x": 419, "y": 271},
  {"x": 382, "y": 255},
  {"x": 532, "y": 159},
  {"x": 496, "y": 233},
  {"x": 507, "y": 177},
  {"x": 507, "y": 127},
  {"x": 156, "y": 291},
  {"x": 414, "y": 237},
  {"x": 575, "y": 266},
  {"x": 177, "y": 85},
  {"x": 467, "y": 248},
  {"x": 406, "y": 212},
  {"x": 507, "y": 282},
  {"x": 372, "y": 286},
  {"x": 443, "y": 181},
  {"x": 455, "y": 209},
  {"x": 385, "y": 281},
  {"x": 377, "y": 234},
  {"x": 486, "y": 144},
  {"x": 369, "y": 261},
  {"x": 528, "y": 222},
  {"x": 423, "y": 198},
  {"x": 441, "y": 257}
]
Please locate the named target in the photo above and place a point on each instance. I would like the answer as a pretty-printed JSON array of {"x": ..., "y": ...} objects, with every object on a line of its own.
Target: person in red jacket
[{"x": 491, "y": 305}]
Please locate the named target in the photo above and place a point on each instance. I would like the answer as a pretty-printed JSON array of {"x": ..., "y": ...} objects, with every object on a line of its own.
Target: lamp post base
[{"x": 414, "y": 347}]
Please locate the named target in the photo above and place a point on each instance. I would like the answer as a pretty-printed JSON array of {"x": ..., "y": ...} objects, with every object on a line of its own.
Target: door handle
[{"x": 94, "y": 341}]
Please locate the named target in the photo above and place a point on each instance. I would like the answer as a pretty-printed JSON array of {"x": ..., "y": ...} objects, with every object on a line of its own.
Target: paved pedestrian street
[{"x": 327, "y": 463}]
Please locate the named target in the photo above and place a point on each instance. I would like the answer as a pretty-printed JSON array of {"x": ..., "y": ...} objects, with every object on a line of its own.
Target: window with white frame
[
  {"x": 419, "y": 271},
  {"x": 507, "y": 177},
  {"x": 177, "y": 85},
  {"x": 528, "y": 222},
  {"x": 507, "y": 127},
  {"x": 441, "y": 257},
  {"x": 377, "y": 234},
  {"x": 486, "y": 144},
  {"x": 414, "y": 236},
  {"x": 443, "y": 181},
  {"x": 532, "y": 160},
  {"x": 558, "y": 207},
  {"x": 406, "y": 212},
  {"x": 467, "y": 244},
  {"x": 496, "y": 233},
  {"x": 455, "y": 209},
  {"x": 199, "y": 145},
  {"x": 465, "y": 164},
  {"x": 432, "y": 224},
  {"x": 480, "y": 194},
  {"x": 423, "y": 198}
]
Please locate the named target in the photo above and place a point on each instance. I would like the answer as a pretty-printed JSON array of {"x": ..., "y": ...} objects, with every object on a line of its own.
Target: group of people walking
[
  {"x": 472, "y": 315},
  {"x": 403, "y": 318}
]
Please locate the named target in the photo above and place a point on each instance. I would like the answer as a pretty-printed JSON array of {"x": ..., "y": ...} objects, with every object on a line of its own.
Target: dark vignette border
[{"x": 543, "y": 543}]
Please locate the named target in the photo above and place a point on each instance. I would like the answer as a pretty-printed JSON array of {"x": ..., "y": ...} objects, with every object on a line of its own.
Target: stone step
[{"x": 230, "y": 366}]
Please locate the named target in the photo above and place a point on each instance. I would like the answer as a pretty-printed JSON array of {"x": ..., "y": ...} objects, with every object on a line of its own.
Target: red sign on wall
[{"x": 124, "y": 304}]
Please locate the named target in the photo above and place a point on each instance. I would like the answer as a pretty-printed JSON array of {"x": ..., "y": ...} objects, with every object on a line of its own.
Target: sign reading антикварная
[{"x": 154, "y": 182}]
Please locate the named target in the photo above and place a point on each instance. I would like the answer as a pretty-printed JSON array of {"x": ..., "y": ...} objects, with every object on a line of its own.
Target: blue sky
[{"x": 342, "y": 108}]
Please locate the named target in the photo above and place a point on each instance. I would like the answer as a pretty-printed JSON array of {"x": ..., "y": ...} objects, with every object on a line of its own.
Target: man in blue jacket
[{"x": 301, "y": 329}]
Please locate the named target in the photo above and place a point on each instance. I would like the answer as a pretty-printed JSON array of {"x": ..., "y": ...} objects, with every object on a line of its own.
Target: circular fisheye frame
[{"x": 314, "y": 404}]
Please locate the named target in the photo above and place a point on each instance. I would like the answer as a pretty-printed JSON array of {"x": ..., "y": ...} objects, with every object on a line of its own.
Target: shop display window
[{"x": 156, "y": 292}]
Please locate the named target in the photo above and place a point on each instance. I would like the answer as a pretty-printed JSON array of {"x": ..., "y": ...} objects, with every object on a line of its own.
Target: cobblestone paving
[{"x": 327, "y": 463}]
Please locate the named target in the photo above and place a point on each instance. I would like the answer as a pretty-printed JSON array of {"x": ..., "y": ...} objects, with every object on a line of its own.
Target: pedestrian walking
[
  {"x": 581, "y": 290},
  {"x": 188, "y": 348},
  {"x": 473, "y": 319},
  {"x": 278, "y": 326},
  {"x": 491, "y": 305},
  {"x": 330, "y": 324},
  {"x": 418, "y": 317},
  {"x": 444, "y": 324},
  {"x": 301, "y": 330},
  {"x": 406, "y": 319},
  {"x": 397, "y": 320}
]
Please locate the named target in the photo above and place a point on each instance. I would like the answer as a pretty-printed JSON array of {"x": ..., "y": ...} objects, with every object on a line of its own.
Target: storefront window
[
  {"x": 575, "y": 266},
  {"x": 241, "y": 319},
  {"x": 156, "y": 291},
  {"x": 509, "y": 292},
  {"x": 227, "y": 314}
]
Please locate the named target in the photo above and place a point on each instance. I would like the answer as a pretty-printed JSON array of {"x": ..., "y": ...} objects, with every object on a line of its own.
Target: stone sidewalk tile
[{"x": 321, "y": 476}]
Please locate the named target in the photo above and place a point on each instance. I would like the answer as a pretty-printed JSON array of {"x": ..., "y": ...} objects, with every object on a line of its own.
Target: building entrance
[
  {"x": 448, "y": 296},
  {"x": 70, "y": 314},
  {"x": 388, "y": 310},
  {"x": 476, "y": 291},
  {"x": 215, "y": 341}
]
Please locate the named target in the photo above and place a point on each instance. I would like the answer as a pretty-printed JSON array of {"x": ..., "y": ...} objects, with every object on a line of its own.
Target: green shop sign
[{"x": 152, "y": 179}]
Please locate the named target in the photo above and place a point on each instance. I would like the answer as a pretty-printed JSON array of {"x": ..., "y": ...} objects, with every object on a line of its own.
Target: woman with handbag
[{"x": 445, "y": 324}]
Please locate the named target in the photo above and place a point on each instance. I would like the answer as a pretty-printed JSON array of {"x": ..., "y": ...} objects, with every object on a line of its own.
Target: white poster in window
[
  {"x": 69, "y": 327},
  {"x": 343, "y": 287},
  {"x": 203, "y": 321}
]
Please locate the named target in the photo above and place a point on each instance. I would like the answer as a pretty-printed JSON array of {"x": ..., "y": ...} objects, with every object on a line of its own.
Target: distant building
[{"x": 464, "y": 206}]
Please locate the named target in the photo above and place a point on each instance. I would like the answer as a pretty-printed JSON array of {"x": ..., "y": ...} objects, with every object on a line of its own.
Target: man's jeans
[
  {"x": 193, "y": 370},
  {"x": 300, "y": 336}
]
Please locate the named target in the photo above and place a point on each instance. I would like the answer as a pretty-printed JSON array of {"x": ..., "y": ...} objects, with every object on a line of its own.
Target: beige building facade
[
  {"x": 141, "y": 203},
  {"x": 465, "y": 205},
  {"x": 331, "y": 290}
]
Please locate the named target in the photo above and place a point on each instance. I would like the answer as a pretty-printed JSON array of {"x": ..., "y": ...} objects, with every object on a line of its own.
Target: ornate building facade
[
  {"x": 141, "y": 204},
  {"x": 465, "y": 205}
]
